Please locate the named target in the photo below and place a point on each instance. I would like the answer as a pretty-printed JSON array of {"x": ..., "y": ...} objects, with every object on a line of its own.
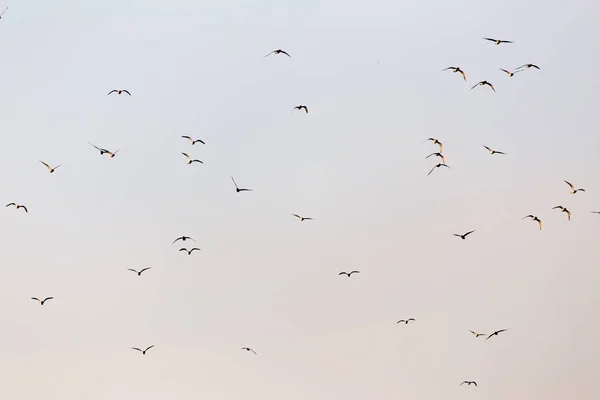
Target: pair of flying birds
[
  {"x": 183, "y": 239},
  {"x": 193, "y": 142},
  {"x": 488, "y": 336}
]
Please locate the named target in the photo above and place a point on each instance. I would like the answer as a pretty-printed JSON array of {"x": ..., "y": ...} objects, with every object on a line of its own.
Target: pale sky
[{"x": 370, "y": 73}]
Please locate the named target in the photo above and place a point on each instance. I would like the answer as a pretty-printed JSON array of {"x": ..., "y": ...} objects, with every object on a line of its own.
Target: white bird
[{"x": 573, "y": 190}]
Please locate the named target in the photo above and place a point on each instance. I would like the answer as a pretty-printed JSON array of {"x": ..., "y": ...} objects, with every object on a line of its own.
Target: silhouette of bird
[
  {"x": 478, "y": 334},
  {"x": 573, "y": 190},
  {"x": 192, "y": 141},
  {"x": 533, "y": 217},
  {"x": 510, "y": 74},
  {"x": 278, "y": 51},
  {"x": 300, "y": 107},
  {"x": 463, "y": 237},
  {"x": 249, "y": 349},
  {"x": 349, "y": 273},
  {"x": 563, "y": 209},
  {"x": 3, "y": 12},
  {"x": 595, "y": 212},
  {"x": 104, "y": 151},
  {"x": 143, "y": 351},
  {"x": 237, "y": 189},
  {"x": 484, "y": 83},
  {"x": 183, "y": 239},
  {"x": 301, "y": 218},
  {"x": 497, "y": 41},
  {"x": 457, "y": 69},
  {"x": 496, "y": 333},
  {"x": 17, "y": 206},
  {"x": 189, "y": 251},
  {"x": 140, "y": 271},
  {"x": 529, "y": 66},
  {"x": 440, "y": 155},
  {"x": 406, "y": 321},
  {"x": 189, "y": 160},
  {"x": 49, "y": 167},
  {"x": 42, "y": 301},
  {"x": 435, "y": 141},
  {"x": 437, "y": 166},
  {"x": 469, "y": 383},
  {"x": 492, "y": 152},
  {"x": 119, "y": 91}
]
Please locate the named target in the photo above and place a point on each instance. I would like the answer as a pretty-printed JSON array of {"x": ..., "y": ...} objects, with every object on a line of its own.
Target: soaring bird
[
  {"x": 533, "y": 217},
  {"x": 249, "y": 349},
  {"x": 183, "y": 239},
  {"x": 563, "y": 209},
  {"x": 510, "y": 74},
  {"x": 469, "y": 383},
  {"x": 119, "y": 91},
  {"x": 478, "y": 334},
  {"x": 457, "y": 69},
  {"x": 435, "y": 141},
  {"x": 189, "y": 160},
  {"x": 3, "y": 12},
  {"x": 189, "y": 251},
  {"x": 497, "y": 41},
  {"x": 42, "y": 301},
  {"x": 237, "y": 189},
  {"x": 492, "y": 152},
  {"x": 104, "y": 151},
  {"x": 300, "y": 107},
  {"x": 278, "y": 51},
  {"x": 143, "y": 351},
  {"x": 17, "y": 206},
  {"x": 301, "y": 218},
  {"x": 440, "y": 155},
  {"x": 573, "y": 190},
  {"x": 437, "y": 166},
  {"x": 192, "y": 141},
  {"x": 349, "y": 273},
  {"x": 49, "y": 167},
  {"x": 484, "y": 83},
  {"x": 140, "y": 271},
  {"x": 406, "y": 321},
  {"x": 463, "y": 237},
  {"x": 529, "y": 66},
  {"x": 496, "y": 333}
]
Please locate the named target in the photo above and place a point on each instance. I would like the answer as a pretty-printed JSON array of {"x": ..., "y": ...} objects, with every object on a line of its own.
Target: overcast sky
[{"x": 370, "y": 73}]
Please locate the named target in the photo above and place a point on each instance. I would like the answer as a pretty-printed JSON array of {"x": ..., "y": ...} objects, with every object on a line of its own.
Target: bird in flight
[
  {"x": 192, "y": 141},
  {"x": 300, "y": 107},
  {"x": 189, "y": 251},
  {"x": 183, "y": 239},
  {"x": 140, "y": 271},
  {"x": 484, "y": 83},
  {"x": 278, "y": 51},
  {"x": 440, "y": 155},
  {"x": 457, "y": 69},
  {"x": 573, "y": 190},
  {"x": 49, "y": 167},
  {"x": 463, "y": 237},
  {"x": 143, "y": 351},
  {"x": 406, "y": 321},
  {"x": 17, "y": 206},
  {"x": 435, "y": 141},
  {"x": 437, "y": 166},
  {"x": 3, "y": 12},
  {"x": 492, "y": 152},
  {"x": 349, "y": 273},
  {"x": 497, "y": 41},
  {"x": 302, "y": 218},
  {"x": 104, "y": 151},
  {"x": 249, "y": 349},
  {"x": 595, "y": 212},
  {"x": 237, "y": 189},
  {"x": 510, "y": 74},
  {"x": 529, "y": 66},
  {"x": 496, "y": 333},
  {"x": 469, "y": 383},
  {"x": 42, "y": 301},
  {"x": 119, "y": 91},
  {"x": 478, "y": 334},
  {"x": 533, "y": 217},
  {"x": 563, "y": 209},
  {"x": 189, "y": 160}
]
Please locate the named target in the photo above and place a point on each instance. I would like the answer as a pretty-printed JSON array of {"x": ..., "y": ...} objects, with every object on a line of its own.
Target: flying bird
[
  {"x": 484, "y": 83},
  {"x": 457, "y": 69},
  {"x": 563, "y": 209},
  {"x": 189, "y": 160},
  {"x": 496, "y": 333},
  {"x": 140, "y": 271},
  {"x": 437, "y": 166},
  {"x": 573, "y": 190},
  {"x": 463, "y": 237},
  {"x": 3, "y": 12},
  {"x": 189, "y": 251},
  {"x": 143, "y": 351},
  {"x": 301, "y": 218},
  {"x": 300, "y": 107},
  {"x": 533, "y": 217},
  {"x": 440, "y": 155},
  {"x": 497, "y": 41},
  {"x": 278, "y": 51},
  {"x": 529, "y": 66},
  {"x": 104, "y": 151},
  {"x": 349, "y": 273},
  {"x": 249, "y": 349},
  {"x": 435, "y": 141},
  {"x": 192, "y": 140},
  {"x": 119, "y": 91},
  {"x": 49, "y": 167},
  {"x": 237, "y": 189},
  {"x": 510, "y": 74},
  {"x": 469, "y": 383},
  {"x": 17, "y": 206},
  {"x": 42, "y": 301},
  {"x": 183, "y": 239},
  {"x": 492, "y": 152},
  {"x": 478, "y": 334},
  {"x": 595, "y": 212},
  {"x": 406, "y": 321}
]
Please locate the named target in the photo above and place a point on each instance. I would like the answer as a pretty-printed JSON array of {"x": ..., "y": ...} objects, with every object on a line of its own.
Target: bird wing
[
  {"x": 540, "y": 223},
  {"x": 499, "y": 152},
  {"x": 468, "y": 233},
  {"x": 490, "y": 39},
  {"x": 445, "y": 69},
  {"x": 135, "y": 348},
  {"x": 528, "y": 216},
  {"x": 24, "y": 208},
  {"x": 188, "y": 157},
  {"x": 343, "y": 273},
  {"x": 147, "y": 268},
  {"x": 183, "y": 249},
  {"x": 410, "y": 319},
  {"x": 431, "y": 170},
  {"x": 490, "y": 150},
  {"x": 504, "y": 70},
  {"x": 245, "y": 190},
  {"x": 570, "y": 184},
  {"x": 568, "y": 214},
  {"x": 10, "y": 204},
  {"x": 35, "y": 298},
  {"x": 47, "y": 166},
  {"x": 198, "y": 140},
  {"x": 195, "y": 248},
  {"x": 97, "y": 148},
  {"x": 464, "y": 383},
  {"x": 474, "y": 86},
  {"x": 270, "y": 53},
  {"x": 501, "y": 330},
  {"x": 463, "y": 75},
  {"x": 126, "y": 91},
  {"x": 179, "y": 238},
  {"x": 236, "y": 186},
  {"x": 400, "y": 321},
  {"x": 47, "y": 298},
  {"x": 432, "y": 154},
  {"x": 148, "y": 348},
  {"x": 490, "y": 85},
  {"x": 354, "y": 272},
  {"x": 554, "y": 208},
  {"x": 474, "y": 333},
  {"x": 505, "y": 41},
  {"x": 474, "y": 383},
  {"x": 456, "y": 234},
  {"x": 130, "y": 269},
  {"x": 281, "y": 51},
  {"x": 297, "y": 216},
  {"x": 112, "y": 91}
]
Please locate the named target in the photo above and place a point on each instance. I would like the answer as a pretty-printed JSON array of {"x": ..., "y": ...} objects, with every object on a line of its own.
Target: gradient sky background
[{"x": 370, "y": 74}]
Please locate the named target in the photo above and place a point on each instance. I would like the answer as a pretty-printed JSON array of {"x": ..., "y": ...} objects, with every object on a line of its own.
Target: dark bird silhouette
[
  {"x": 478, "y": 334},
  {"x": 300, "y": 107},
  {"x": 484, "y": 83},
  {"x": 510, "y": 74},
  {"x": 463, "y": 237},
  {"x": 595, "y": 212},
  {"x": 349, "y": 273},
  {"x": 49, "y": 167},
  {"x": 278, "y": 51},
  {"x": 140, "y": 271},
  {"x": 437, "y": 166},
  {"x": 189, "y": 160},
  {"x": 189, "y": 251},
  {"x": 237, "y": 189},
  {"x": 3, "y": 12},
  {"x": 457, "y": 69},
  {"x": 563, "y": 209},
  {"x": 192, "y": 141},
  {"x": 529, "y": 66},
  {"x": 492, "y": 152},
  {"x": 533, "y": 217},
  {"x": 249, "y": 349},
  {"x": 469, "y": 383},
  {"x": 497, "y": 41},
  {"x": 17, "y": 206},
  {"x": 104, "y": 151},
  {"x": 496, "y": 333},
  {"x": 406, "y": 321},
  {"x": 42, "y": 301},
  {"x": 119, "y": 91},
  {"x": 302, "y": 218},
  {"x": 183, "y": 239},
  {"x": 143, "y": 351},
  {"x": 440, "y": 155},
  {"x": 573, "y": 190},
  {"x": 435, "y": 141}
]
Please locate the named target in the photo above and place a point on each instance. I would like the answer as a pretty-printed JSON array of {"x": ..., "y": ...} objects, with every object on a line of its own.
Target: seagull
[
  {"x": 349, "y": 273},
  {"x": 237, "y": 189},
  {"x": 435, "y": 141},
  {"x": 189, "y": 160},
  {"x": 49, "y": 167},
  {"x": 533, "y": 217},
  {"x": 249, "y": 349},
  {"x": 463, "y": 237},
  {"x": 278, "y": 51},
  {"x": 183, "y": 239},
  {"x": 469, "y": 383},
  {"x": 477, "y": 335},
  {"x": 497, "y": 41},
  {"x": 301, "y": 218},
  {"x": 17, "y": 206},
  {"x": 496, "y": 333},
  {"x": 529, "y": 66},
  {"x": 406, "y": 321},
  {"x": 563, "y": 209},
  {"x": 484, "y": 83},
  {"x": 437, "y": 166},
  {"x": 104, "y": 151},
  {"x": 192, "y": 140},
  {"x": 3, "y": 12},
  {"x": 119, "y": 91},
  {"x": 573, "y": 190},
  {"x": 510, "y": 74},
  {"x": 300, "y": 107},
  {"x": 143, "y": 351},
  {"x": 42, "y": 301},
  {"x": 492, "y": 152},
  {"x": 138, "y": 272},
  {"x": 440, "y": 155},
  {"x": 189, "y": 251},
  {"x": 457, "y": 69}
]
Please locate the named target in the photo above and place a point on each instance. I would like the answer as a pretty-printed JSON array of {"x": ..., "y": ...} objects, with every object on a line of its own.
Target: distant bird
[
  {"x": 189, "y": 160},
  {"x": 533, "y": 217},
  {"x": 49, "y": 167},
  {"x": 529, "y": 66},
  {"x": 278, "y": 51},
  {"x": 189, "y": 251},
  {"x": 349, "y": 273},
  {"x": 140, "y": 271},
  {"x": 497, "y": 41},
  {"x": 595, "y": 212},
  {"x": 237, "y": 189},
  {"x": 406, "y": 321},
  {"x": 300, "y": 107},
  {"x": 119, "y": 91},
  {"x": 183, "y": 239},
  {"x": 143, "y": 351},
  {"x": 301, "y": 218},
  {"x": 573, "y": 190},
  {"x": 457, "y": 69},
  {"x": 469, "y": 383},
  {"x": 249, "y": 349},
  {"x": 3, "y": 12},
  {"x": 492, "y": 152},
  {"x": 17, "y": 206},
  {"x": 192, "y": 141},
  {"x": 463, "y": 237},
  {"x": 435, "y": 141},
  {"x": 484, "y": 83},
  {"x": 510, "y": 74},
  {"x": 104, "y": 151},
  {"x": 437, "y": 166},
  {"x": 496, "y": 333},
  {"x": 42, "y": 301},
  {"x": 563, "y": 209},
  {"x": 478, "y": 334},
  {"x": 440, "y": 155}
]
